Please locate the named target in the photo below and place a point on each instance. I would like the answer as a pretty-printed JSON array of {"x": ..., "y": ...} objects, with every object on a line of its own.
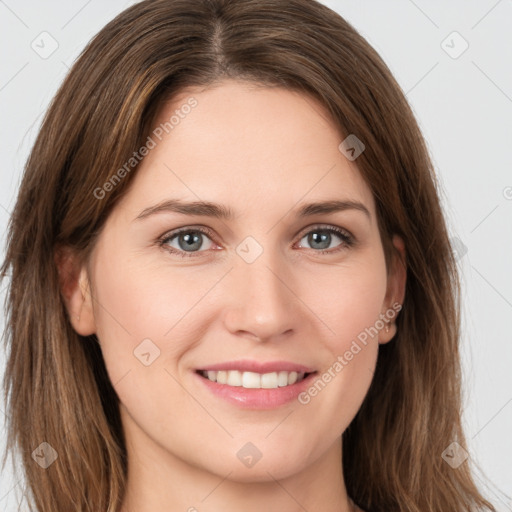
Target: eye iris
[
  {"x": 191, "y": 240},
  {"x": 315, "y": 238}
]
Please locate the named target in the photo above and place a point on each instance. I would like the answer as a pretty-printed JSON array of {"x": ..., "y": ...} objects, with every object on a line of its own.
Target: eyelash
[{"x": 346, "y": 237}]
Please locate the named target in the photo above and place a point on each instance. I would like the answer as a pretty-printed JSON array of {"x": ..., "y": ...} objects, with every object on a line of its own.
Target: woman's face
[{"x": 277, "y": 292}]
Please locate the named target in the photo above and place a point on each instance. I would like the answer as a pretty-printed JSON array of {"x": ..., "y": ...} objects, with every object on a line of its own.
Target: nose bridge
[{"x": 263, "y": 303}]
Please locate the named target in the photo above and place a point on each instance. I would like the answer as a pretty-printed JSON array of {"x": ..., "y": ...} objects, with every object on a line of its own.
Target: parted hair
[{"x": 56, "y": 384}]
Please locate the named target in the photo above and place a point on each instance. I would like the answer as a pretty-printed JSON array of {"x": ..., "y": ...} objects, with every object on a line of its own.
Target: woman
[{"x": 232, "y": 283}]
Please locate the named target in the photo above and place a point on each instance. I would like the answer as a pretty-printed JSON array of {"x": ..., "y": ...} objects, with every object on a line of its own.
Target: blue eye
[
  {"x": 321, "y": 238},
  {"x": 190, "y": 242}
]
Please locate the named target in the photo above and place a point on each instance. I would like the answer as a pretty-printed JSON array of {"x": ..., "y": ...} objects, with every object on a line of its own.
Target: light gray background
[{"x": 464, "y": 107}]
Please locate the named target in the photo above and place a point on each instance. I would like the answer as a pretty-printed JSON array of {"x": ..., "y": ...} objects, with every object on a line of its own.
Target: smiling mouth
[{"x": 253, "y": 380}]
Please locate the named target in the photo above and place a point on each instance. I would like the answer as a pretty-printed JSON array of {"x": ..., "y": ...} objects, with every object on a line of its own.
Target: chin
[{"x": 274, "y": 464}]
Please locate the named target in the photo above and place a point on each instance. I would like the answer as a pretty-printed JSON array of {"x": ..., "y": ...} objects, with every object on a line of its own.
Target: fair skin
[{"x": 264, "y": 153}]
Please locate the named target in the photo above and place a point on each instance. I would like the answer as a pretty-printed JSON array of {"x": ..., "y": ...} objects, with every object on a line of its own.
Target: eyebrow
[{"x": 209, "y": 209}]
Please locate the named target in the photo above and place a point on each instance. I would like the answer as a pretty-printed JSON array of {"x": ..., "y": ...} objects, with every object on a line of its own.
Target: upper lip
[{"x": 258, "y": 366}]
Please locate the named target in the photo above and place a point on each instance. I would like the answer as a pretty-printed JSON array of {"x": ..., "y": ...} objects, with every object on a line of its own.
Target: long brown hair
[{"x": 56, "y": 383}]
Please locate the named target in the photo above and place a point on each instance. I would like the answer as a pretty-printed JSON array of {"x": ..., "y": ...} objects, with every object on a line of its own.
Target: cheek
[
  {"x": 146, "y": 319},
  {"x": 148, "y": 308},
  {"x": 348, "y": 300},
  {"x": 350, "y": 308}
]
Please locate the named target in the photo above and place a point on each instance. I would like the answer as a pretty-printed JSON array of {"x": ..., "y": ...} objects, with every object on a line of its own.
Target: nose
[{"x": 262, "y": 301}]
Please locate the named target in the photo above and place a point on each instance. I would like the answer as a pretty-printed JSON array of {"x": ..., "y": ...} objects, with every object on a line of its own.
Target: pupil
[
  {"x": 321, "y": 239},
  {"x": 191, "y": 241}
]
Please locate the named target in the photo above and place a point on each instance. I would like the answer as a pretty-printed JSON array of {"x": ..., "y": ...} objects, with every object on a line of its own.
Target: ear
[
  {"x": 75, "y": 290},
  {"x": 395, "y": 292}
]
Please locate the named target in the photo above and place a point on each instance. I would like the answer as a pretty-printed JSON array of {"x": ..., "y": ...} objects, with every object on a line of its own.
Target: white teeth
[
  {"x": 253, "y": 380},
  {"x": 269, "y": 380},
  {"x": 234, "y": 378},
  {"x": 282, "y": 379}
]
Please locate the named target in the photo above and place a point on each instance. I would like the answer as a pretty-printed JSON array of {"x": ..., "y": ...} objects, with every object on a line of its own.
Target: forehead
[{"x": 249, "y": 146}]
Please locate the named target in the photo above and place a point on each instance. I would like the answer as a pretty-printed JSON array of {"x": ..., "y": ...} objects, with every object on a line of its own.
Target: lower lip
[{"x": 257, "y": 398}]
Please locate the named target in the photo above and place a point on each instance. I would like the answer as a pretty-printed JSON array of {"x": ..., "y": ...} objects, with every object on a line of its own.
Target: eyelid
[
  {"x": 320, "y": 226},
  {"x": 173, "y": 232}
]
